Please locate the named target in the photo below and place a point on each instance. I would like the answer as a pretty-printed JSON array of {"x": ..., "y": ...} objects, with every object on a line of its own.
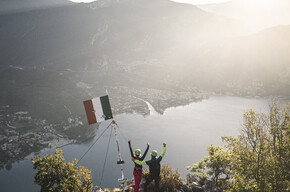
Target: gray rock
[{"x": 195, "y": 187}]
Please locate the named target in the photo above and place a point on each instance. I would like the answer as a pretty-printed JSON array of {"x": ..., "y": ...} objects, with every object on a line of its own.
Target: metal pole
[{"x": 120, "y": 161}]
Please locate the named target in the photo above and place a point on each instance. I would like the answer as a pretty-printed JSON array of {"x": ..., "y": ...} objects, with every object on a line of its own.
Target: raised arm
[
  {"x": 144, "y": 155},
  {"x": 131, "y": 151},
  {"x": 139, "y": 162},
  {"x": 163, "y": 150}
]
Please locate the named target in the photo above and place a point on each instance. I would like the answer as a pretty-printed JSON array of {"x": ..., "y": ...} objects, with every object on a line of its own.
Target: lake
[{"x": 187, "y": 130}]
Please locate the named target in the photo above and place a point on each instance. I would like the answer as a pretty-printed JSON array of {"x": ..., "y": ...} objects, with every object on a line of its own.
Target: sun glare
[{"x": 259, "y": 3}]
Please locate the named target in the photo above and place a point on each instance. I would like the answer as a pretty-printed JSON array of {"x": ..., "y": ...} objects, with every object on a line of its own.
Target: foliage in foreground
[
  {"x": 54, "y": 174},
  {"x": 256, "y": 160},
  {"x": 169, "y": 179},
  {"x": 217, "y": 165}
]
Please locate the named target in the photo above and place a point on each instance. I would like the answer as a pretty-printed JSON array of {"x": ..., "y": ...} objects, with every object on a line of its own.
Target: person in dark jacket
[
  {"x": 154, "y": 167},
  {"x": 138, "y": 168}
]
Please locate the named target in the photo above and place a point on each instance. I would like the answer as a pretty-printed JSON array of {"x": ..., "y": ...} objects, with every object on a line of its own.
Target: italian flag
[{"x": 98, "y": 109}]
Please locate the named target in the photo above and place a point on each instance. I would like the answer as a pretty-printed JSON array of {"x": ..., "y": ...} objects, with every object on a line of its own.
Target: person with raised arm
[{"x": 138, "y": 168}]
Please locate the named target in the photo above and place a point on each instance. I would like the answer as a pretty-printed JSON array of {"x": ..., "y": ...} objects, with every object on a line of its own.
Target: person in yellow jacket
[{"x": 154, "y": 167}]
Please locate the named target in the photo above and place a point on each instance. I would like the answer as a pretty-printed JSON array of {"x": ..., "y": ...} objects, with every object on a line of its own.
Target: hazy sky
[
  {"x": 181, "y": 1},
  {"x": 200, "y": 1}
]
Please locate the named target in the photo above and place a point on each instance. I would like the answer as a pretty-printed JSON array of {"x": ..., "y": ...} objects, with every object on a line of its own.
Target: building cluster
[
  {"x": 255, "y": 89},
  {"x": 21, "y": 135}
]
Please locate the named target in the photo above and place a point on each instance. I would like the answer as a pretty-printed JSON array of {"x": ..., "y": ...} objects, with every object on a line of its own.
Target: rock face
[{"x": 193, "y": 185}]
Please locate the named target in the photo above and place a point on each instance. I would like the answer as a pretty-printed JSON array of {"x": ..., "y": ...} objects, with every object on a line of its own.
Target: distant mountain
[
  {"x": 110, "y": 37},
  {"x": 14, "y": 6},
  {"x": 262, "y": 58},
  {"x": 109, "y": 32},
  {"x": 256, "y": 13},
  {"x": 55, "y": 54}
]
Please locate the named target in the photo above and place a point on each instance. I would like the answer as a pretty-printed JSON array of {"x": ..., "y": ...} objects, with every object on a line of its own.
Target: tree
[
  {"x": 54, "y": 174},
  {"x": 280, "y": 133},
  {"x": 215, "y": 167},
  {"x": 250, "y": 154},
  {"x": 260, "y": 155},
  {"x": 257, "y": 160}
]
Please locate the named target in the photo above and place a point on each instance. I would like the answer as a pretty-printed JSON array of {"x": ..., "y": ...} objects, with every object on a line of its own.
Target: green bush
[{"x": 53, "y": 174}]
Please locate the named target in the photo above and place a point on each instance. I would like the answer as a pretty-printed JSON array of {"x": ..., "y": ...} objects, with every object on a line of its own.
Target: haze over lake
[{"x": 187, "y": 130}]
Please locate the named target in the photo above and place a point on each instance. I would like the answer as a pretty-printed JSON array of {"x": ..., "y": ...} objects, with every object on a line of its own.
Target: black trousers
[{"x": 156, "y": 178}]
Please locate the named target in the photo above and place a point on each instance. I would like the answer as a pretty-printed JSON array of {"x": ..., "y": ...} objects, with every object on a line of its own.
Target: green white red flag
[{"x": 98, "y": 109}]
